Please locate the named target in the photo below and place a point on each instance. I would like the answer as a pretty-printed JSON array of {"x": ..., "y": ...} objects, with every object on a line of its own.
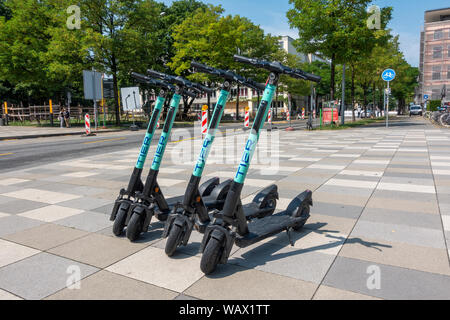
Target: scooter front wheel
[
  {"x": 211, "y": 256},
  {"x": 135, "y": 227},
  {"x": 121, "y": 218},
  {"x": 173, "y": 240}
]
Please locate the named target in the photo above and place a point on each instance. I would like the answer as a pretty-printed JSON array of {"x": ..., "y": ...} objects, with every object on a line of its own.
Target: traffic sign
[
  {"x": 388, "y": 75},
  {"x": 92, "y": 81},
  {"x": 426, "y": 97}
]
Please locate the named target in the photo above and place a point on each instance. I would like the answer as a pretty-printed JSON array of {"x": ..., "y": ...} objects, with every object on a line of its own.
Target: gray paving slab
[
  {"x": 400, "y": 233},
  {"x": 20, "y": 206},
  {"x": 290, "y": 262},
  {"x": 413, "y": 219},
  {"x": 86, "y": 221},
  {"x": 41, "y": 275},
  {"x": 395, "y": 283},
  {"x": 12, "y": 224},
  {"x": 85, "y": 203},
  {"x": 337, "y": 210},
  {"x": 106, "y": 209}
]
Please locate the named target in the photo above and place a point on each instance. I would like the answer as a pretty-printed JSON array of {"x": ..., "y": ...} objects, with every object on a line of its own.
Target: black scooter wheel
[
  {"x": 173, "y": 240},
  {"x": 211, "y": 256},
  {"x": 135, "y": 227},
  {"x": 121, "y": 218},
  {"x": 305, "y": 212}
]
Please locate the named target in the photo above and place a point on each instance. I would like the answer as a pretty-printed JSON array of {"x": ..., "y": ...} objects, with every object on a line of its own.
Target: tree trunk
[
  {"x": 373, "y": 97},
  {"x": 238, "y": 95},
  {"x": 353, "y": 93},
  {"x": 333, "y": 77}
]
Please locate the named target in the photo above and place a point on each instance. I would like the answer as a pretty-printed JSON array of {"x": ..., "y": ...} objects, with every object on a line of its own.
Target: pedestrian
[
  {"x": 67, "y": 118},
  {"x": 359, "y": 111},
  {"x": 61, "y": 117}
]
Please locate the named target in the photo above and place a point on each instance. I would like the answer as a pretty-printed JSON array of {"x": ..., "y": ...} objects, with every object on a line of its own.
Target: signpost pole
[
  {"x": 387, "y": 105},
  {"x": 103, "y": 106}
]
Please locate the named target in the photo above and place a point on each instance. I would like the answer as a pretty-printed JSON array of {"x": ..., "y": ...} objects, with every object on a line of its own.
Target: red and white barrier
[
  {"x": 269, "y": 118},
  {"x": 87, "y": 123},
  {"x": 314, "y": 114},
  {"x": 247, "y": 118},
  {"x": 288, "y": 115},
  {"x": 303, "y": 114},
  {"x": 205, "y": 120}
]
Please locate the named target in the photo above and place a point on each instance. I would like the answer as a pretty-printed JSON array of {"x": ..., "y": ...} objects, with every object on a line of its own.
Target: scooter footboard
[{"x": 219, "y": 233}]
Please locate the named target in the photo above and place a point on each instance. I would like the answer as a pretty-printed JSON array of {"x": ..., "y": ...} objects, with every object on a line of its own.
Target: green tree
[
  {"x": 336, "y": 29},
  {"x": 209, "y": 37}
]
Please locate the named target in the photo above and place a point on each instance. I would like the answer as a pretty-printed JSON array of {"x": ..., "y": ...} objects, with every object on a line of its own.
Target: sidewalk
[
  {"x": 14, "y": 132},
  {"x": 381, "y": 212}
]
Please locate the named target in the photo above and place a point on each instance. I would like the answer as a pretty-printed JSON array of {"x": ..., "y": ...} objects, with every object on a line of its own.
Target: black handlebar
[
  {"x": 278, "y": 68},
  {"x": 180, "y": 81},
  {"x": 227, "y": 75},
  {"x": 153, "y": 82}
]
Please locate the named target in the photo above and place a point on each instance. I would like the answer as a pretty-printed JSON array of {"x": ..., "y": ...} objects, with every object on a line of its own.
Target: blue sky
[{"x": 271, "y": 16}]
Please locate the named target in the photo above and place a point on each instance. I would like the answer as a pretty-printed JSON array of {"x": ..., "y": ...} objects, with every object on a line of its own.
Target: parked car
[
  {"x": 367, "y": 114},
  {"x": 415, "y": 111}
]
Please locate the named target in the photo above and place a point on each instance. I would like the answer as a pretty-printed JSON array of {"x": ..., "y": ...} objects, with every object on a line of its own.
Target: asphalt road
[{"x": 22, "y": 154}]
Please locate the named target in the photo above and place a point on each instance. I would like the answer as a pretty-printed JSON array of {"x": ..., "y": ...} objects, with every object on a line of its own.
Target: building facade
[{"x": 435, "y": 57}]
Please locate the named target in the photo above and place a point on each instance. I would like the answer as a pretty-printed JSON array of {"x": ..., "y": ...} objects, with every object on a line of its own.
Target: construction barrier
[
  {"x": 314, "y": 114},
  {"x": 303, "y": 114},
  {"x": 288, "y": 115},
  {"x": 330, "y": 115},
  {"x": 87, "y": 122},
  {"x": 269, "y": 118}
]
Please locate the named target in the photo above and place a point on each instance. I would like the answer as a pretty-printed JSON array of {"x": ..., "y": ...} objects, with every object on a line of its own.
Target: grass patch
[{"x": 359, "y": 123}]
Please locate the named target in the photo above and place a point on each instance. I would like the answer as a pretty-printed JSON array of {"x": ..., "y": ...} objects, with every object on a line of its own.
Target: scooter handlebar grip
[
  {"x": 203, "y": 88},
  {"x": 140, "y": 77},
  {"x": 157, "y": 74},
  {"x": 202, "y": 68},
  {"x": 245, "y": 60}
]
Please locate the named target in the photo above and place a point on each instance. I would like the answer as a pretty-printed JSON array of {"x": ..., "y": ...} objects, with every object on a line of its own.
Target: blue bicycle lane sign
[{"x": 388, "y": 75}]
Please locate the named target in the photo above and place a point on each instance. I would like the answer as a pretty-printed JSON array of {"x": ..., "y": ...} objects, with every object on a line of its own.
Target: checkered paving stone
[{"x": 379, "y": 227}]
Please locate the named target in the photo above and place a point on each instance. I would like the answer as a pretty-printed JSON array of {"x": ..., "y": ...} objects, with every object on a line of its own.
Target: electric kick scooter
[
  {"x": 127, "y": 196},
  {"x": 230, "y": 226},
  {"x": 180, "y": 224},
  {"x": 151, "y": 201}
]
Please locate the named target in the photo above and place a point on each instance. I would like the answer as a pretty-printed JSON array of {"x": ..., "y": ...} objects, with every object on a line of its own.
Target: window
[
  {"x": 436, "y": 95},
  {"x": 437, "y": 52},
  {"x": 436, "y": 73},
  {"x": 438, "y": 34}
]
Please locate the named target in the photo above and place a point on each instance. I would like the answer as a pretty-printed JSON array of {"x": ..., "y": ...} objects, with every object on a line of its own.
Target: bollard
[
  {"x": 247, "y": 119},
  {"x": 6, "y": 114},
  {"x": 303, "y": 114},
  {"x": 51, "y": 112},
  {"x": 204, "y": 120}
]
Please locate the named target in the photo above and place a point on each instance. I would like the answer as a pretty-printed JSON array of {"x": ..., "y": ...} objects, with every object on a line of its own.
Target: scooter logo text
[
  {"x": 159, "y": 151},
  {"x": 245, "y": 162}
]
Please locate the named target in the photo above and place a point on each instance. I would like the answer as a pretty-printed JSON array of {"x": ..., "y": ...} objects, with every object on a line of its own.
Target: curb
[{"x": 54, "y": 135}]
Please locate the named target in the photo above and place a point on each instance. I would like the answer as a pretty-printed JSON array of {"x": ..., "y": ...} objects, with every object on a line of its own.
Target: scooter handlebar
[
  {"x": 278, "y": 68},
  {"x": 228, "y": 75},
  {"x": 180, "y": 81},
  {"x": 153, "y": 82}
]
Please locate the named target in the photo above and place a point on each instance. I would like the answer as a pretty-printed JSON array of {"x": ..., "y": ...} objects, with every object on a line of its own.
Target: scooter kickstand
[{"x": 288, "y": 231}]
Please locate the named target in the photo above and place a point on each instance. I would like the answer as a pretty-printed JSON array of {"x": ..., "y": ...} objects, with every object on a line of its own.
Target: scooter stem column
[
  {"x": 231, "y": 209},
  {"x": 209, "y": 140},
  {"x": 166, "y": 132}
]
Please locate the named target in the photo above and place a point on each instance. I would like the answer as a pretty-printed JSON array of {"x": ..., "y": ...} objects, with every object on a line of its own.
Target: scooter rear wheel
[
  {"x": 135, "y": 227},
  {"x": 121, "y": 218},
  {"x": 173, "y": 240},
  {"x": 305, "y": 212},
  {"x": 211, "y": 256}
]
